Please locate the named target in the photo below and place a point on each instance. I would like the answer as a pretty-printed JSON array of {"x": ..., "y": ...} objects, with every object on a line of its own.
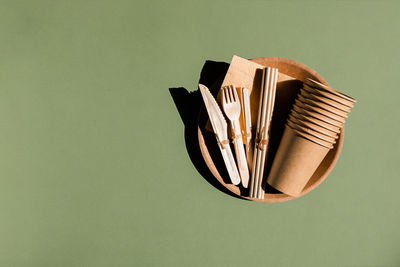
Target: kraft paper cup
[
  {"x": 313, "y": 126},
  {"x": 320, "y": 111},
  {"x": 318, "y": 122},
  {"x": 317, "y": 91},
  {"x": 324, "y": 106},
  {"x": 322, "y": 99},
  {"x": 295, "y": 162},
  {"x": 312, "y": 132},
  {"x": 312, "y": 114}
]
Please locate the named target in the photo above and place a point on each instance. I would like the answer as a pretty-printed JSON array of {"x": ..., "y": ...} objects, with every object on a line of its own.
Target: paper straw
[
  {"x": 256, "y": 151},
  {"x": 269, "y": 79},
  {"x": 266, "y": 88},
  {"x": 269, "y": 111}
]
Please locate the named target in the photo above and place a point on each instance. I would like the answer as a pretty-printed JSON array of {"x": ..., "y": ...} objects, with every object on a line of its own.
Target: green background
[{"x": 93, "y": 165}]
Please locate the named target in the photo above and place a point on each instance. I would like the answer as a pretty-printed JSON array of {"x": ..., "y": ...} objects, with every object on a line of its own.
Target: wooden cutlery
[
  {"x": 220, "y": 128},
  {"x": 232, "y": 108}
]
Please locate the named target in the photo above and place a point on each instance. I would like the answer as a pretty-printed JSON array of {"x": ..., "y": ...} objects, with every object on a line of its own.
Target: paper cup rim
[
  {"x": 319, "y": 85},
  {"x": 311, "y": 138},
  {"x": 320, "y": 111},
  {"x": 314, "y": 127},
  {"x": 317, "y": 115},
  {"x": 320, "y": 92},
  {"x": 325, "y": 100},
  {"x": 316, "y": 121},
  {"x": 312, "y": 132},
  {"x": 324, "y": 106}
]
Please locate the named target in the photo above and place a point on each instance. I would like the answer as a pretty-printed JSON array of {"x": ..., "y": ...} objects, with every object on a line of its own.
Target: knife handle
[
  {"x": 230, "y": 163},
  {"x": 240, "y": 154}
]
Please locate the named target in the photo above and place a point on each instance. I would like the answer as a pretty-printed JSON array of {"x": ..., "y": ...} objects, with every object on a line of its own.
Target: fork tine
[
  {"x": 231, "y": 94},
  {"x": 235, "y": 94},
  {"x": 226, "y": 91},
  {"x": 223, "y": 95}
]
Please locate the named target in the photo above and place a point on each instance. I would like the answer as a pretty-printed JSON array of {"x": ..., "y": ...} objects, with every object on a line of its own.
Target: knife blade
[{"x": 220, "y": 128}]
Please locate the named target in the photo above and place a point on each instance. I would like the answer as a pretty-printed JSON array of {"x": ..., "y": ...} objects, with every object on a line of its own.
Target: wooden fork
[{"x": 231, "y": 105}]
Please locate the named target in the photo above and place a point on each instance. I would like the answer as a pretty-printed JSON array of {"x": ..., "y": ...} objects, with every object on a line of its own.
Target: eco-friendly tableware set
[{"x": 312, "y": 126}]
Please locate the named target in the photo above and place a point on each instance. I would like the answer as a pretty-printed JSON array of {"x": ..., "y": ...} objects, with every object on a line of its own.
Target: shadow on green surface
[{"x": 188, "y": 105}]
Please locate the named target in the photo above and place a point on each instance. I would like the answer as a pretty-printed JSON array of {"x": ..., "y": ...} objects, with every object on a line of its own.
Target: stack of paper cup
[{"x": 311, "y": 131}]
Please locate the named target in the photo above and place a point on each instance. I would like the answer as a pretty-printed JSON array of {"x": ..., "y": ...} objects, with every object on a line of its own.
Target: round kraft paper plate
[{"x": 285, "y": 97}]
